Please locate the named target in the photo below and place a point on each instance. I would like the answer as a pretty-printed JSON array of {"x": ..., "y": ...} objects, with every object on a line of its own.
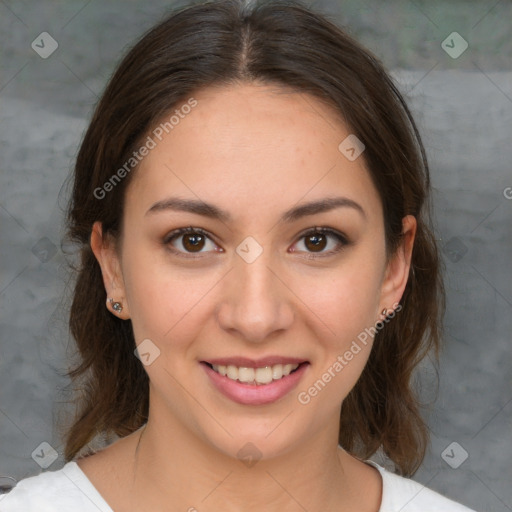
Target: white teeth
[
  {"x": 246, "y": 374},
  {"x": 262, "y": 375},
  {"x": 232, "y": 372},
  {"x": 277, "y": 371}
]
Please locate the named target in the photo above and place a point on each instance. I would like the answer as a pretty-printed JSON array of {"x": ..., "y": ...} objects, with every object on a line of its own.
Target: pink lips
[{"x": 250, "y": 394}]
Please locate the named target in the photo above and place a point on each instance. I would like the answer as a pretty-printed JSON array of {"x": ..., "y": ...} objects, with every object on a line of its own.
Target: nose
[{"x": 255, "y": 303}]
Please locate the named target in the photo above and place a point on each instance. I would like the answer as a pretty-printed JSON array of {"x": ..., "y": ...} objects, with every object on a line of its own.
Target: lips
[{"x": 255, "y": 382}]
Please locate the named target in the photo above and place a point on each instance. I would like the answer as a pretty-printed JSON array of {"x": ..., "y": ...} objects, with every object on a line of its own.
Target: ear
[
  {"x": 104, "y": 248},
  {"x": 397, "y": 269}
]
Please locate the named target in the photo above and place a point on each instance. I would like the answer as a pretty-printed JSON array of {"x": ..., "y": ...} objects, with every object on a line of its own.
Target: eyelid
[
  {"x": 323, "y": 230},
  {"x": 183, "y": 231}
]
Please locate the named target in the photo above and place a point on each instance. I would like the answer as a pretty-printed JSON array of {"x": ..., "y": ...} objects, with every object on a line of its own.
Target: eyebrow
[{"x": 291, "y": 215}]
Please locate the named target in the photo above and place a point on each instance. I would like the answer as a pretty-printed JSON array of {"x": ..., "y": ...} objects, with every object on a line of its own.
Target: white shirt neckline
[
  {"x": 70, "y": 489},
  {"x": 74, "y": 472}
]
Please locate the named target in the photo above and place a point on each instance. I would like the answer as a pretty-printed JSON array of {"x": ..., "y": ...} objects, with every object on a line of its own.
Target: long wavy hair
[{"x": 281, "y": 43}]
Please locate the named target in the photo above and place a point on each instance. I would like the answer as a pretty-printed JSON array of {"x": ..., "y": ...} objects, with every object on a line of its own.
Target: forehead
[{"x": 251, "y": 145}]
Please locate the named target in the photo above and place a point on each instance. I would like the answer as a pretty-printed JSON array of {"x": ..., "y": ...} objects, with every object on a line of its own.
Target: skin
[{"x": 254, "y": 151}]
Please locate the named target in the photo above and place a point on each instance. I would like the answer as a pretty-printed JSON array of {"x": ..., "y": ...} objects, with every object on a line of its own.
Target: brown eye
[
  {"x": 190, "y": 241},
  {"x": 316, "y": 242},
  {"x": 193, "y": 242}
]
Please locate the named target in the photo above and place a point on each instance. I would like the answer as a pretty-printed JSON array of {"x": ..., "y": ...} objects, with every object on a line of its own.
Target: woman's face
[{"x": 255, "y": 170}]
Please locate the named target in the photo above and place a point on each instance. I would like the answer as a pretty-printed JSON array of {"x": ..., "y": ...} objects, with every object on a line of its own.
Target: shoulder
[
  {"x": 54, "y": 491},
  {"x": 406, "y": 495}
]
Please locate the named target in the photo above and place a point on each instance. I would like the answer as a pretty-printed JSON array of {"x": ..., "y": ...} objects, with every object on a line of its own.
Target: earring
[
  {"x": 116, "y": 306},
  {"x": 384, "y": 312}
]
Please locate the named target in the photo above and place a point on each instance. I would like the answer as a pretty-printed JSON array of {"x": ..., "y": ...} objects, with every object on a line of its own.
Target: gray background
[{"x": 464, "y": 110}]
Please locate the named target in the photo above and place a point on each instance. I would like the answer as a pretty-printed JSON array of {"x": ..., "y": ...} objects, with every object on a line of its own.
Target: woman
[{"x": 258, "y": 277}]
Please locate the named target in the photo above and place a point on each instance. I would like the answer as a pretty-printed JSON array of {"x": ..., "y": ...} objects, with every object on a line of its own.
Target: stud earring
[
  {"x": 384, "y": 312},
  {"x": 116, "y": 306}
]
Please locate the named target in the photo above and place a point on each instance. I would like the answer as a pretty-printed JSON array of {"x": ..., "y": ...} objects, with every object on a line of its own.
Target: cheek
[
  {"x": 344, "y": 307},
  {"x": 344, "y": 300},
  {"x": 163, "y": 300}
]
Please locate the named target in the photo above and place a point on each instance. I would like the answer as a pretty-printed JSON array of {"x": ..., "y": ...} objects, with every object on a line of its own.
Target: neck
[{"x": 173, "y": 465}]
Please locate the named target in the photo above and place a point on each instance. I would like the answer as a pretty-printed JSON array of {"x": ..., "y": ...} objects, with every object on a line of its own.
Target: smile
[
  {"x": 250, "y": 382},
  {"x": 255, "y": 376}
]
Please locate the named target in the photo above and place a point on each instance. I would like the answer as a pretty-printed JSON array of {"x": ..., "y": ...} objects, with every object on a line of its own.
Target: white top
[{"x": 69, "y": 489}]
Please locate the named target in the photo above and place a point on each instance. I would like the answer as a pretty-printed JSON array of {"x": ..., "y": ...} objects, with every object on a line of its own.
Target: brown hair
[{"x": 271, "y": 42}]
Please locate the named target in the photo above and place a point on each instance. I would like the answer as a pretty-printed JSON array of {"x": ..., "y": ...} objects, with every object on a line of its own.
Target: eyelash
[{"x": 341, "y": 239}]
